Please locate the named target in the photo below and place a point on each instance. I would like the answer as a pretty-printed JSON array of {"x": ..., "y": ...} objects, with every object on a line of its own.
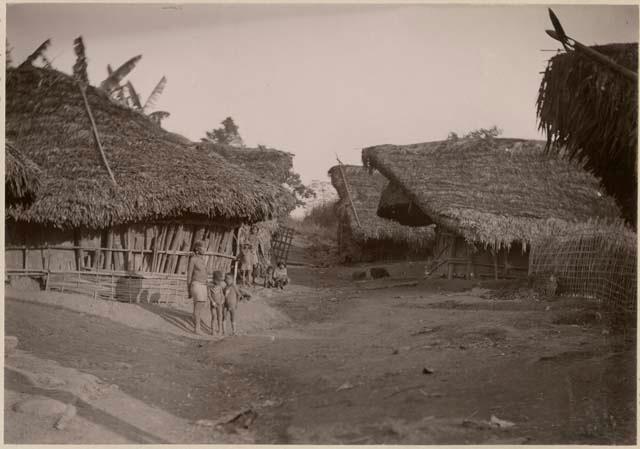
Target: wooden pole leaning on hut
[
  {"x": 346, "y": 186},
  {"x": 571, "y": 44},
  {"x": 80, "y": 75},
  {"x": 95, "y": 134}
]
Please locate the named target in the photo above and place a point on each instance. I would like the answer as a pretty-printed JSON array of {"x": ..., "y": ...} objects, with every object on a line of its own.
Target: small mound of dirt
[{"x": 253, "y": 316}]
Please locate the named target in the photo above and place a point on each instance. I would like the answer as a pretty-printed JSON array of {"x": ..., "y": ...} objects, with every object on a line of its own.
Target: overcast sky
[{"x": 317, "y": 80}]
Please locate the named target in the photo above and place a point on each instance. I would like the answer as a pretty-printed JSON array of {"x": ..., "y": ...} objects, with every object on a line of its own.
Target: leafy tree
[
  {"x": 481, "y": 133},
  {"x": 300, "y": 191},
  {"x": 227, "y": 134}
]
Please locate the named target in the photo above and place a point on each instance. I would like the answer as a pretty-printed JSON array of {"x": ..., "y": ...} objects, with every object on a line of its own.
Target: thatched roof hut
[
  {"x": 490, "y": 191},
  {"x": 158, "y": 175},
  {"x": 362, "y": 234},
  {"x": 22, "y": 176},
  {"x": 592, "y": 111},
  {"x": 268, "y": 163}
]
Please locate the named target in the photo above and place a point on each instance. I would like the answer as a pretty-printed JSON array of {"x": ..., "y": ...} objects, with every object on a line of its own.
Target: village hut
[
  {"x": 591, "y": 111},
  {"x": 83, "y": 227},
  {"x": 363, "y": 236},
  {"x": 267, "y": 238},
  {"x": 489, "y": 199}
]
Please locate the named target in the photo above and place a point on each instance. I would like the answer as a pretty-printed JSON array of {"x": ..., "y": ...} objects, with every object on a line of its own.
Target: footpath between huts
[{"x": 394, "y": 361}]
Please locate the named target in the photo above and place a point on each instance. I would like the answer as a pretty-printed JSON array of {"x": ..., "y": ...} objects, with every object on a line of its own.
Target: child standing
[
  {"x": 232, "y": 294},
  {"x": 216, "y": 302}
]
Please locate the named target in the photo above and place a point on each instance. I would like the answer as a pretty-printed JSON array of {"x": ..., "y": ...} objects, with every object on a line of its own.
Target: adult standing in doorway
[{"x": 197, "y": 284}]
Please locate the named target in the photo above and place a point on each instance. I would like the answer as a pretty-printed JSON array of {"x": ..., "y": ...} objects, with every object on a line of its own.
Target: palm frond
[
  {"x": 133, "y": 97},
  {"x": 80, "y": 66},
  {"x": 155, "y": 93},
  {"x": 39, "y": 52},
  {"x": 114, "y": 79}
]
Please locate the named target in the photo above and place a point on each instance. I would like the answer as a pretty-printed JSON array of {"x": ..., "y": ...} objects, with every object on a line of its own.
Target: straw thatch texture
[
  {"x": 158, "y": 176},
  {"x": 268, "y": 163},
  {"x": 365, "y": 189},
  {"x": 593, "y": 112},
  {"x": 22, "y": 176},
  {"x": 492, "y": 191}
]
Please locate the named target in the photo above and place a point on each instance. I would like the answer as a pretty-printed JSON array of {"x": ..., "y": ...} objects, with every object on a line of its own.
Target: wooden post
[
  {"x": 452, "y": 254},
  {"x": 107, "y": 253},
  {"x": 494, "y": 255},
  {"x": 505, "y": 272},
  {"x": 48, "y": 256},
  {"x": 530, "y": 267},
  {"x": 346, "y": 186},
  {"x": 78, "y": 250},
  {"x": 129, "y": 266},
  {"x": 469, "y": 261}
]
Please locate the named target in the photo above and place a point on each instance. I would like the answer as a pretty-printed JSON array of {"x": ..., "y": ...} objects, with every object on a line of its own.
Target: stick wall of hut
[{"x": 149, "y": 248}]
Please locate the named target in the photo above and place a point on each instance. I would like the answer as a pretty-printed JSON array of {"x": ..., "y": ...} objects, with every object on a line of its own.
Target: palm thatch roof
[
  {"x": 593, "y": 112},
  {"x": 22, "y": 176},
  {"x": 158, "y": 175},
  {"x": 265, "y": 163},
  {"x": 365, "y": 189},
  {"x": 491, "y": 191},
  {"x": 268, "y": 163}
]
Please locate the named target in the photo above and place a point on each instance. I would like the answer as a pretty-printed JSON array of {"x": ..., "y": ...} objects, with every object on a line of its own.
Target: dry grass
[
  {"x": 492, "y": 191},
  {"x": 22, "y": 176},
  {"x": 158, "y": 175}
]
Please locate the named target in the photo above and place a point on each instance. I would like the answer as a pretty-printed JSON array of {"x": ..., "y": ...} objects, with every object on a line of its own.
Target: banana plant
[{"x": 127, "y": 94}]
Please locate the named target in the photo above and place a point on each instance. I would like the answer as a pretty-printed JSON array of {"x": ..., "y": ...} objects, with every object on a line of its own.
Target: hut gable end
[{"x": 364, "y": 190}]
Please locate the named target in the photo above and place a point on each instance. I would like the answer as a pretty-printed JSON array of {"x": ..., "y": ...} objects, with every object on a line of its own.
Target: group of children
[
  {"x": 273, "y": 277},
  {"x": 223, "y": 294},
  {"x": 276, "y": 278}
]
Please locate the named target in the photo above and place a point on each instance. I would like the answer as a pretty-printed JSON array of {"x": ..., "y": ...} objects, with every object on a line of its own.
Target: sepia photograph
[{"x": 328, "y": 224}]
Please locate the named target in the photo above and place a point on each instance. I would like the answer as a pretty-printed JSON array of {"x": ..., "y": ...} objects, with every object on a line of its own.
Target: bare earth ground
[{"x": 347, "y": 366}]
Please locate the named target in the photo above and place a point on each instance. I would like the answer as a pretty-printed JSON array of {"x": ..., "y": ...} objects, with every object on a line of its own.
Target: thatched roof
[
  {"x": 158, "y": 175},
  {"x": 365, "y": 189},
  {"x": 491, "y": 191},
  {"x": 268, "y": 163},
  {"x": 593, "y": 112},
  {"x": 21, "y": 177}
]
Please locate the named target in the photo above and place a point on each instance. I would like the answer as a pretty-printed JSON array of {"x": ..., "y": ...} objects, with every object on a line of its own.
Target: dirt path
[{"x": 349, "y": 369}]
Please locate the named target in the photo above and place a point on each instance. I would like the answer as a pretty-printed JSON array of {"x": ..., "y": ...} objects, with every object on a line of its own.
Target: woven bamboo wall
[
  {"x": 124, "y": 287},
  {"x": 140, "y": 248},
  {"x": 593, "y": 265}
]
